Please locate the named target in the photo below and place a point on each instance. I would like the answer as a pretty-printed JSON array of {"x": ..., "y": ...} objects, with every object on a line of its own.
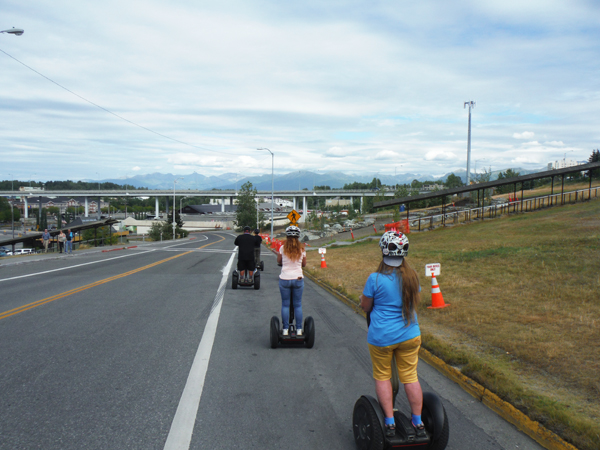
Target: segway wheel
[
  {"x": 234, "y": 280},
  {"x": 368, "y": 434},
  {"x": 256, "y": 281},
  {"x": 274, "y": 331},
  {"x": 309, "y": 330},
  {"x": 262, "y": 266},
  {"x": 436, "y": 421}
]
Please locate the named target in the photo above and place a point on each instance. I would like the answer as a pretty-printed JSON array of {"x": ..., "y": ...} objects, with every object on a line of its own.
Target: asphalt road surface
[{"x": 150, "y": 348}]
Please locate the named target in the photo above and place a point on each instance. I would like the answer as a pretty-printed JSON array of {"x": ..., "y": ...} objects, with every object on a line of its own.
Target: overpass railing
[{"x": 511, "y": 207}]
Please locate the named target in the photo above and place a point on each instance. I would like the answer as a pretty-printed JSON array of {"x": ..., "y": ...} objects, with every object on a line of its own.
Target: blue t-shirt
[{"x": 388, "y": 327}]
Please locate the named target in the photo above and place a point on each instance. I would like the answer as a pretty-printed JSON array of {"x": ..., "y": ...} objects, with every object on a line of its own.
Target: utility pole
[{"x": 471, "y": 105}]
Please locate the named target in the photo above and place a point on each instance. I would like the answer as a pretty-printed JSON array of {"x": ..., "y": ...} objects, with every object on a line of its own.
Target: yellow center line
[{"x": 43, "y": 301}]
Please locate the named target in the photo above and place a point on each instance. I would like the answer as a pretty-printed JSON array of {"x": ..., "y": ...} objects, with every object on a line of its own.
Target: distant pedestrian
[
  {"x": 46, "y": 239},
  {"x": 62, "y": 238},
  {"x": 69, "y": 242}
]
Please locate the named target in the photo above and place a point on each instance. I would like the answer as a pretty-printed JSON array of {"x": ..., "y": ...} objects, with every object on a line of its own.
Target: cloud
[
  {"x": 336, "y": 152},
  {"x": 337, "y": 87},
  {"x": 440, "y": 155},
  {"x": 386, "y": 154},
  {"x": 136, "y": 168},
  {"x": 524, "y": 135}
]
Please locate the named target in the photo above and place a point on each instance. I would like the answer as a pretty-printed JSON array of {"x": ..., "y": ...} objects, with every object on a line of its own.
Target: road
[{"x": 150, "y": 348}]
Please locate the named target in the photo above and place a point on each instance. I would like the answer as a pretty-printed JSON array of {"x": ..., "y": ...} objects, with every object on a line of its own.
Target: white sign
[
  {"x": 322, "y": 250},
  {"x": 432, "y": 268}
]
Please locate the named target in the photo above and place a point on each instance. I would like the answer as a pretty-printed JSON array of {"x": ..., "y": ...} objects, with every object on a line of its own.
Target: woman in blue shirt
[{"x": 391, "y": 296}]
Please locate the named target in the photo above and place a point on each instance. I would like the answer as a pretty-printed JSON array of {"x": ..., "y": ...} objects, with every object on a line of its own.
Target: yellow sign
[{"x": 293, "y": 216}]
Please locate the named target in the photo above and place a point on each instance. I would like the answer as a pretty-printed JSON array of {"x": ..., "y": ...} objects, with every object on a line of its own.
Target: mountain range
[{"x": 285, "y": 182}]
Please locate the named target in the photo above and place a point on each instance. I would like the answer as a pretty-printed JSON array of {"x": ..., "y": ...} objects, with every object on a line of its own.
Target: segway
[
  {"x": 236, "y": 280},
  {"x": 308, "y": 331},
  {"x": 368, "y": 422}
]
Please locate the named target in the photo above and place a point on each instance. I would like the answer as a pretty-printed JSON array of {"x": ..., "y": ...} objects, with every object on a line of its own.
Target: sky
[{"x": 114, "y": 89}]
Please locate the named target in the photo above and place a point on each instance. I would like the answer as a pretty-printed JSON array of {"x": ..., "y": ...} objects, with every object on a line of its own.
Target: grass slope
[{"x": 524, "y": 314}]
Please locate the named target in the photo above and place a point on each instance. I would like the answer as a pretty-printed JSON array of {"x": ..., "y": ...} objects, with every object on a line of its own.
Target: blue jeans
[
  {"x": 291, "y": 289},
  {"x": 68, "y": 246}
]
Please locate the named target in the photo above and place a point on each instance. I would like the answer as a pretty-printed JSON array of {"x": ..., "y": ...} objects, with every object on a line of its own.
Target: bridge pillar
[
  {"x": 362, "y": 197},
  {"x": 294, "y": 197},
  {"x": 156, "y": 210},
  {"x": 86, "y": 209},
  {"x": 26, "y": 212},
  {"x": 222, "y": 204},
  {"x": 303, "y": 219}
]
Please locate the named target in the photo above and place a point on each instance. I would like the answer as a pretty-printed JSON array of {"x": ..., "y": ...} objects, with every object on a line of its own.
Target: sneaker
[
  {"x": 299, "y": 332},
  {"x": 390, "y": 430},
  {"x": 285, "y": 331},
  {"x": 420, "y": 429}
]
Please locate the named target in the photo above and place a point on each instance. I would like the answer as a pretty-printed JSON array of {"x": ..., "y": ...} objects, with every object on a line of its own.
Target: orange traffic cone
[
  {"x": 437, "y": 301},
  {"x": 323, "y": 264}
]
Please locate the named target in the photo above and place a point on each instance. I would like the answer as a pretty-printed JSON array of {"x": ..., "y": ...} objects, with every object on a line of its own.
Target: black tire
[
  {"x": 440, "y": 437},
  {"x": 309, "y": 330},
  {"x": 274, "y": 331},
  {"x": 256, "y": 281},
  {"x": 366, "y": 427},
  {"x": 234, "y": 280}
]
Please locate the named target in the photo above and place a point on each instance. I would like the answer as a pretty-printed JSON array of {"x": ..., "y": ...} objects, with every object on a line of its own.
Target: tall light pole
[
  {"x": 471, "y": 105},
  {"x": 272, "y": 186},
  {"x": 174, "y": 223}
]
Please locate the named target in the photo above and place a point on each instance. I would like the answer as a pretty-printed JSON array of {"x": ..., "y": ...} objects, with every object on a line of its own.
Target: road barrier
[{"x": 511, "y": 207}]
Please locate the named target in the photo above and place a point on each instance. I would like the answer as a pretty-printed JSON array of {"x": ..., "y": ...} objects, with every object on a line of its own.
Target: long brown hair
[
  {"x": 293, "y": 248},
  {"x": 409, "y": 281}
]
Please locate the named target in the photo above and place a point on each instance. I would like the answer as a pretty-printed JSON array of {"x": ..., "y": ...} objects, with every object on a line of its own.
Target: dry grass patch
[{"x": 524, "y": 315}]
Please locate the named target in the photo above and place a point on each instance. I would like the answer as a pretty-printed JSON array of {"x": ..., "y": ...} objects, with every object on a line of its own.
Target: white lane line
[
  {"x": 180, "y": 434},
  {"x": 200, "y": 250},
  {"x": 168, "y": 248},
  {"x": 76, "y": 265}
]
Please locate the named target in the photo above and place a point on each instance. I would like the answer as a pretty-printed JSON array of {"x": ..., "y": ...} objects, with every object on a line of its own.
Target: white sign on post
[
  {"x": 432, "y": 269},
  {"x": 322, "y": 250}
]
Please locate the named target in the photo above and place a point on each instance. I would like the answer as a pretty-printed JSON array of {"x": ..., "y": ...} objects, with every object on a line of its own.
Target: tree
[
  {"x": 416, "y": 184},
  {"x": 5, "y": 215},
  {"x": 594, "y": 157},
  {"x": 245, "y": 215},
  {"x": 453, "y": 181}
]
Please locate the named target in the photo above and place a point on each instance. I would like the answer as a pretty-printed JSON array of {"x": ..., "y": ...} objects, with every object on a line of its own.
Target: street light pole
[
  {"x": 13, "y": 30},
  {"x": 174, "y": 223},
  {"x": 272, "y": 186},
  {"x": 471, "y": 105}
]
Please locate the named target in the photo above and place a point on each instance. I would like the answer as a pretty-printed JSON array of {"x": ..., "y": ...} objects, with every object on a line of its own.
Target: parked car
[{"x": 24, "y": 251}]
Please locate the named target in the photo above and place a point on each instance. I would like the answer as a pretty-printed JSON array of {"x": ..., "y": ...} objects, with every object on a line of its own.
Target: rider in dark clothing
[{"x": 246, "y": 253}]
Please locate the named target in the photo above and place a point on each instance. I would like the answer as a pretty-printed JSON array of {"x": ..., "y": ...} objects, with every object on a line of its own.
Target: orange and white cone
[
  {"x": 437, "y": 301},
  {"x": 323, "y": 264}
]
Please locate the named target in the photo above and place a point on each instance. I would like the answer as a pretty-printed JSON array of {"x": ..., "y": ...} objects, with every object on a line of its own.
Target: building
[
  {"x": 338, "y": 202},
  {"x": 564, "y": 163}
]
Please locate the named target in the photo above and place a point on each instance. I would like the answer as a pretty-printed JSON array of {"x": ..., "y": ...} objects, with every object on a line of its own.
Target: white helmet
[
  {"x": 394, "y": 243},
  {"x": 293, "y": 231}
]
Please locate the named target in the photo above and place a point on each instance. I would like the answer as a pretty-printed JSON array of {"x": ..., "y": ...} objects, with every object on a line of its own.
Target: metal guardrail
[{"x": 492, "y": 211}]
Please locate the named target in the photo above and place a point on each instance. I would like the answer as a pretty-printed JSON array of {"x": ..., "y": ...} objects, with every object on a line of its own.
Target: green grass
[{"x": 524, "y": 314}]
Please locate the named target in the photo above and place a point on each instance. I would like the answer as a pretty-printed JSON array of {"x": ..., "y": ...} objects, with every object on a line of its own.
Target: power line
[{"x": 115, "y": 114}]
